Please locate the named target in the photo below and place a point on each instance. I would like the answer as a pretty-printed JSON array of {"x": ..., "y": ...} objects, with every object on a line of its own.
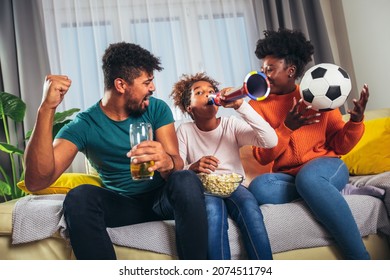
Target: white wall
[{"x": 368, "y": 27}]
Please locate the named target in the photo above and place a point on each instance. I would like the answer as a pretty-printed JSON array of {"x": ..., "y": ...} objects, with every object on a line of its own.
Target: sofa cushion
[
  {"x": 289, "y": 225},
  {"x": 371, "y": 114},
  {"x": 65, "y": 183},
  {"x": 372, "y": 154},
  {"x": 251, "y": 166}
]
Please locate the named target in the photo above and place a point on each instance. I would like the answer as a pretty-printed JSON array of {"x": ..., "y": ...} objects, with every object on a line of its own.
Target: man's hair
[
  {"x": 290, "y": 45},
  {"x": 127, "y": 61},
  {"x": 181, "y": 92}
]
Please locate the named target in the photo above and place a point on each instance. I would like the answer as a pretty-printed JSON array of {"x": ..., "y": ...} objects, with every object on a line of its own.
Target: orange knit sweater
[{"x": 330, "y": 137}]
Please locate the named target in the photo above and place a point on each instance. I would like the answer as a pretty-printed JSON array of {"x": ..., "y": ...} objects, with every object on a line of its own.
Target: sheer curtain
[{"x": 217, "y": 37}]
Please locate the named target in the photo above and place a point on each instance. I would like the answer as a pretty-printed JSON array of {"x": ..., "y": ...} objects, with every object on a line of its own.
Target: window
[{"x": 188, "y": 36}]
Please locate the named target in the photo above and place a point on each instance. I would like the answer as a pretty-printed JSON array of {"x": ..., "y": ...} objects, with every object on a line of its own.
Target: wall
[{"x": 368, "y": 24}]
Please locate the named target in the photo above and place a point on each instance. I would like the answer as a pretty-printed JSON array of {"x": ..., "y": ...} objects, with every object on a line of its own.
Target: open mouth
[{"x": 145, "y": 101}]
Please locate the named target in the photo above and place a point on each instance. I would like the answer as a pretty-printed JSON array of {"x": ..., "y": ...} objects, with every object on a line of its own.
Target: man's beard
[{"x": 134, "y": 110}]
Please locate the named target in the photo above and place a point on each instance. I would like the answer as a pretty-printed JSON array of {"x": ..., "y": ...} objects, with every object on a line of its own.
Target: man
[{"x": 101, "y": 133}]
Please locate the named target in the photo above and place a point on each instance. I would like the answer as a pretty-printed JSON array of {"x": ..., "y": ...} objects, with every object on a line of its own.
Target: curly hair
[
  {"x": 181, "y": 92},
  {"x": 290, "y": 45},
  {"x": 127, "y": 61}
]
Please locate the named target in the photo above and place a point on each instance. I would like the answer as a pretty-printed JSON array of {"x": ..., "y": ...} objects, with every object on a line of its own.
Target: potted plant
[{"x": 12, "y": 107}]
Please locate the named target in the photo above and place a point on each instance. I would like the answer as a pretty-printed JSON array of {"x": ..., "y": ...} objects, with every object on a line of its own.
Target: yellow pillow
[
  {"x": 372, "y": 154},
  {"x": 65, "y": 183}
]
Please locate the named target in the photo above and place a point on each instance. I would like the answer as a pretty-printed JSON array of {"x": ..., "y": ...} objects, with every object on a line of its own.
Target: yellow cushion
[
  {"x": 372, "y": 154},
  {"x": 65, "y": 183}
]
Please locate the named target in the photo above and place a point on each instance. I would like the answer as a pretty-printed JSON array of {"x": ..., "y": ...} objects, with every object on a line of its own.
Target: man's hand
[
  {"x": 54, "y": 89},
  {"x": 152, "y": 151},
  {"x": 357, "y": 113}
]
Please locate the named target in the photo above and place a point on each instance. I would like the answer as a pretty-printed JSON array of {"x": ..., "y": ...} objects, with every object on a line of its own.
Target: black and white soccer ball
[{"x": 325, "y": 86}]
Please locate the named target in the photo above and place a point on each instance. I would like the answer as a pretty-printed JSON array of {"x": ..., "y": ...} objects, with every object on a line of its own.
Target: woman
[
  {"x": 306, "y": 161},
  {"x": 211, "y": 145}
]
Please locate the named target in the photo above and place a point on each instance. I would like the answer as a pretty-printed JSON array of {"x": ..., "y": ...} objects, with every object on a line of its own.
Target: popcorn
[{"x": 220, "y": 184}]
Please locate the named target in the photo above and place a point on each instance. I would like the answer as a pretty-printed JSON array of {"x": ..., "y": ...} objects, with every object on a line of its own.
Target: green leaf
[
  {"x": 10, "y": 149},
  {"x": 5, "y": 189},
  {"x": 58, "y": 126},
  {"x": 60, "y": 117},
  {"x": 28, "y": 135},
  {"x": 12, "y": 106}
]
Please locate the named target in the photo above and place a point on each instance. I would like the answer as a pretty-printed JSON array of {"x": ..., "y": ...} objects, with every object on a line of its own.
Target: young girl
[
  {"x": 306, "y": 160},
  {"x": 211, "y": 145}
]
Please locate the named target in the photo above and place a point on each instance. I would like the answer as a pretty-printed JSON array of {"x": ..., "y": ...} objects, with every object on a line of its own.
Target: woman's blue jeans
[
  {"x": 318, "y": 183},
  {"x": 244, "y": 210}
]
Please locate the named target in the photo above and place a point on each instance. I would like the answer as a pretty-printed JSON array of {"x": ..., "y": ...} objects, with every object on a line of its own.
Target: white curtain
[
  {"x": 215, "y": 36},
  {"x": 189, "y": 36}
]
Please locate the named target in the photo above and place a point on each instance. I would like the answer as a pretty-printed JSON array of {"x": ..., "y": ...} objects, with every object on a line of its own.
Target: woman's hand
[
  {"x": 206, "y": 164},
  {"x": 296, "y": 117},
  {"x": 357, "y": 114}
]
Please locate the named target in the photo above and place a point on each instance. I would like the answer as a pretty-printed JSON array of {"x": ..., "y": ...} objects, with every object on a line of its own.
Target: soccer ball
[{"x": 325, "y": 86}]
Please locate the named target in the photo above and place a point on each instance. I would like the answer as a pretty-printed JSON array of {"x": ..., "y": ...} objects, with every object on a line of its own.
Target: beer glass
[{"x": 139, "y": 132}]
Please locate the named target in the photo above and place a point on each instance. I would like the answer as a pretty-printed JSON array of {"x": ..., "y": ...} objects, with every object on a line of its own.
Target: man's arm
[
  {"x": 166, "y": 135},
  {"x": 45, "y": 160}
]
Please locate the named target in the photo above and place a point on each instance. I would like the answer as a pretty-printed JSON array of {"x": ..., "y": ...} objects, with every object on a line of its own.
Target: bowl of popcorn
[{"x": 220, "y": 184}]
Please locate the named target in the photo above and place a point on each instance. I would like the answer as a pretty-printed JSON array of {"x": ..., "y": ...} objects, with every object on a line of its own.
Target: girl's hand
[
  {"x": 230, "y": 104},
  {"x": 206, "y": 164}
]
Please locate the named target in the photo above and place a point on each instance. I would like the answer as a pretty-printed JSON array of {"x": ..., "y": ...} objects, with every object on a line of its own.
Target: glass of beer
[{"x": 139, "y": 132}]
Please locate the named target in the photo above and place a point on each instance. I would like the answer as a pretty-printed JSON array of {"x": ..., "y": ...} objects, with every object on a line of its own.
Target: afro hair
[
  {"x": 290, "y": 45},
  {"x": 181, "y": 92}
]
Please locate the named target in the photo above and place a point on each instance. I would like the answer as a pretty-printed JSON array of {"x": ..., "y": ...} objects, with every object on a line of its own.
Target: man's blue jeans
[
  {"x": 318, "y": 183},
  {"x": 89, "y": 210},
  {"x": 244, "y": 210}
]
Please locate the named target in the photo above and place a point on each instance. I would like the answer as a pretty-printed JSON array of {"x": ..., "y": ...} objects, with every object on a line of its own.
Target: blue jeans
[
  {"x": 244, "y": 210},
  {"x": 318, "y": 183},
  {"x": 89, "y": 210}
]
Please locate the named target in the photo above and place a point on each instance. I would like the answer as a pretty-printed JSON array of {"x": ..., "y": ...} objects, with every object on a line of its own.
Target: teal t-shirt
[{"x": 106, "y": 142}]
